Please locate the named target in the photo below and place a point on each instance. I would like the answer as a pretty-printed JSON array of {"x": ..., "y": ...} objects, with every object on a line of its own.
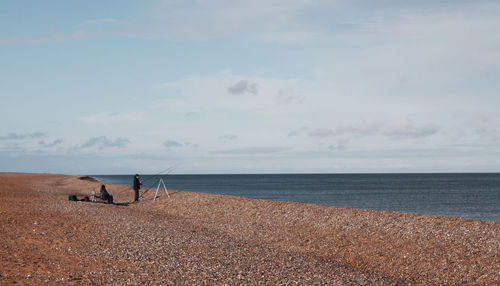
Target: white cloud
[
  {"x": 403, "y": 128},
  {"x": 290, "y": 21},
  {"x": 368, "y": 121},
  {"x": 402, "y": 75},
  {"x": 217, "y": 92},
  {"x": 50, "y": 144},
  {"x": 229, "y": 137},
  {"x": 172, "y": 144},
  {"x": 22, "y": 136},
  {"x": 88, "y": 29},
  {"x": 298, "y": 131},
  {"x": 42, "y": 39},
  {"x": 99, "y": 23},
  {"x": 242, "y": 87},
  {"x": 111, "y": 118},
  {"x": 310, "y": 22},
  {"x": 253, "y": 150},
  {"x": 197, "y": 20},
  {"x": 423, "y": 54},
  {"x": 322, "y": 132},
  {"x": 292, "y": 96},
  {"x": 341, "y": 145},
  {"x": 103, "y": 142},
  {"x": 407, "y": 129}
]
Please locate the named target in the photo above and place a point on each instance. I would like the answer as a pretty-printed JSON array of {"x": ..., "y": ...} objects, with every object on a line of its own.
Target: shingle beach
[{"x": 202, "y": 239}]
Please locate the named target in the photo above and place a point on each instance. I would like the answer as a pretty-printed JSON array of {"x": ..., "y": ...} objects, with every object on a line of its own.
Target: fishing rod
[
  {"x": 160, "y": 173},
  {"x": 156, "y": 175},
  {"x": 168, "y": 173},
  {"x": 148, "y": 189}
]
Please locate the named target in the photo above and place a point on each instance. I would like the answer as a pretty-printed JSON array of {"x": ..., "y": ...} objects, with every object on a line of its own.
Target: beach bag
[{"x": 72, "y": 198}]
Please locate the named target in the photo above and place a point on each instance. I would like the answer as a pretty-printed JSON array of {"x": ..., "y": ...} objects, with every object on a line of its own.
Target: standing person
[{"x": 137, "y": 187}]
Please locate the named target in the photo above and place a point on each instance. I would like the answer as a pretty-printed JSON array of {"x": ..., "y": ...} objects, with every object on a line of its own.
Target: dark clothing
[
  {"x": 110, "y": 199},
  {"x": 105, "y": 195},
  {"x": 136, "y": 195},
  {"x": 137, "y": 187},
  {"x": 137, "y": 183}
]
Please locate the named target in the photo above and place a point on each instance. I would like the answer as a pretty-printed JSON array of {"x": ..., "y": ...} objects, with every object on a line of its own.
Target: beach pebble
[{"x": 200, "y": 239}]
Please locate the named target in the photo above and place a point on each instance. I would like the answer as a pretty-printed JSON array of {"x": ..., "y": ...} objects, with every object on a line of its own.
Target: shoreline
[
  {"x": 216, "y": 233},
  {"x": 426, "y": 194}
]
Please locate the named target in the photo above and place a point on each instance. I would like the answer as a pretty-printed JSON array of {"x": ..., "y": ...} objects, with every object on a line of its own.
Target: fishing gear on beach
[
  {"x": 160, "y": 182},
  {"x": 150, "y": 178},
  {"x": 169, "y": 169}
]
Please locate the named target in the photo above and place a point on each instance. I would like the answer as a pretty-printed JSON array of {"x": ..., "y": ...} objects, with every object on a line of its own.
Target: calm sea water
[{"x": 474, "y": 196}]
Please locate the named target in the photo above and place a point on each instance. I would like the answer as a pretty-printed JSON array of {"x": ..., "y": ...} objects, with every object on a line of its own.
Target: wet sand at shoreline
[{"x": 202, "y": 239}]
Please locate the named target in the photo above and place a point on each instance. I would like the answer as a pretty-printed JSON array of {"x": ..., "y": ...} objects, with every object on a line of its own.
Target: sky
[{"x": 274, "y": 86}]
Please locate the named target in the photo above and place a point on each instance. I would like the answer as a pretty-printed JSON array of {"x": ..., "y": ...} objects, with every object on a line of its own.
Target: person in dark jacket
[
  {"x": 137, "y": 187},
  {"x": 105, "y": 195}
]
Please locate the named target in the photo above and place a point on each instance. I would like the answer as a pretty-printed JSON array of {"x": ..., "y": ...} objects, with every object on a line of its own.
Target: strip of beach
[{"x": 202, "y": 239}]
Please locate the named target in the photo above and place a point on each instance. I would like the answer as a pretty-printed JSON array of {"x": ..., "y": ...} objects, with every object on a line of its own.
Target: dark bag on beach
[{"x": 72, "y": 198}]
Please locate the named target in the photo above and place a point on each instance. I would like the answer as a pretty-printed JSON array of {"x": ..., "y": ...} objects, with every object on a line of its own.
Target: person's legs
[
  {"x": 136, "y": 198},
  {"x": 110, "y": 199}
]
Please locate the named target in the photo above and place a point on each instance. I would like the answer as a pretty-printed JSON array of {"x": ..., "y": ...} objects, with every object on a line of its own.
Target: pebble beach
[{"x": 202, "y": 239}]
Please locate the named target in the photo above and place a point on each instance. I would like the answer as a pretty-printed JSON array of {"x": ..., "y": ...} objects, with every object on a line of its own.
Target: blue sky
[{"x": 106, "y": 87}]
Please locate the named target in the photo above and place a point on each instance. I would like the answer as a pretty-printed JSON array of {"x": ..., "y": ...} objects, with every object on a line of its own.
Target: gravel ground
[{"x": 201, "y": 239}]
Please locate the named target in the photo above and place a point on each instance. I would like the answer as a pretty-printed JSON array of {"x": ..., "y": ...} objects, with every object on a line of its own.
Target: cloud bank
[{"x": 103, "y": 142}]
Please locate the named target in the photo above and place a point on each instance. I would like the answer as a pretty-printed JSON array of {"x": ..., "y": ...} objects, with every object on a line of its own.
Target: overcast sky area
[{"x": 260, "y": 86}]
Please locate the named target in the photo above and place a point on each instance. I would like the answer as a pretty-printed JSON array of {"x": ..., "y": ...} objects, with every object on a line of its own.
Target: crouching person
[{"x": 105, "y": 195}]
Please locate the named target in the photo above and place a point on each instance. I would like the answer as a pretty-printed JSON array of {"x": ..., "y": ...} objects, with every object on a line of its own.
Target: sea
[{"x": 475, "y": 195}]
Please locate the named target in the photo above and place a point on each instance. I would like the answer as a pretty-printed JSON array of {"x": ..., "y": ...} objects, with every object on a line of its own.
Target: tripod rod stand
[{"x": 158, "y": 188}]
